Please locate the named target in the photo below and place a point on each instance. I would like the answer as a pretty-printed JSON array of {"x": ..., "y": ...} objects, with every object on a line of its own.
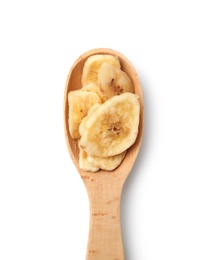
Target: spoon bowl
[{"x": 104, "y": 188}]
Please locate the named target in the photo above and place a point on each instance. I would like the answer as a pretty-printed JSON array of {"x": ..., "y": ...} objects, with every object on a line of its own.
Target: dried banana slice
[
  {"x": 92, "y": 65},
  {"x": 94, "y": 88},
  {"x": 113, "y": 81},
  {"x": 83, "y": 124},
  {"x": 113, "y": 127},
  {"x": 106, "y": 163},
  {"x": 79, "y": 104},
  {"x": 84, "y": 164}
]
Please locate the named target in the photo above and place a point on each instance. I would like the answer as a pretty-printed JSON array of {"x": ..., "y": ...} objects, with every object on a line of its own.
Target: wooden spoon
[{"x": 104, "y": 188}]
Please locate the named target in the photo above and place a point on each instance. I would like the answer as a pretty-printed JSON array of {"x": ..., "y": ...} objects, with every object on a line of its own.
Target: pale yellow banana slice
[
  {"x": 84, "y": 164},
  {"x": 107, "y": 163},
  {"x": 94, "y": 88},
  {"x": 113, "y": 127},
  {"x": 83, "y": 124},
  {"x": 113, "y": 81},
  {"x": 92, "y": 65},
  {"x": 79, "y": 104}
]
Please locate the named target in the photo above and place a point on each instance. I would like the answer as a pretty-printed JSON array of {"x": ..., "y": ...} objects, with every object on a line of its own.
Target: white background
[{"x": 44, "y": 210}]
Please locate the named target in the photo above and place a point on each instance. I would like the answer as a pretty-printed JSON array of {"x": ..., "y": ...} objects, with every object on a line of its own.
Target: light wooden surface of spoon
[{"x": 104, "y": 188}]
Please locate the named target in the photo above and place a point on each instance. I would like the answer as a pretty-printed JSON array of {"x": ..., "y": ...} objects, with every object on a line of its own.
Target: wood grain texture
[{"x": 104, "y": 188}]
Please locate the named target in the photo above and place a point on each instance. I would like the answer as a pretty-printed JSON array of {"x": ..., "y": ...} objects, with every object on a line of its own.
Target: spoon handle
[{"x": 105, "y": 238}]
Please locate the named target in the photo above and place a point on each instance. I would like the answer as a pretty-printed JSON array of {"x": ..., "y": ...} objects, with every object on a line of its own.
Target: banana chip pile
[{"x": 103, "y": 114}]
